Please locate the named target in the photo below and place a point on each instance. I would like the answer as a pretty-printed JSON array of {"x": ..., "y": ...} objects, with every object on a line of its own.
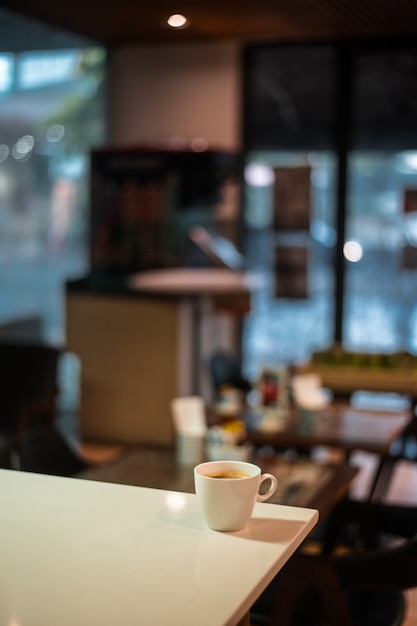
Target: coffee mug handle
[{"x": 272, "y": 487}]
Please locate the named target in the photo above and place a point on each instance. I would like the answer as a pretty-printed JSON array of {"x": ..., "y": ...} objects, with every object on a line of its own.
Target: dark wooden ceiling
[{"x": 124, "y": 22}]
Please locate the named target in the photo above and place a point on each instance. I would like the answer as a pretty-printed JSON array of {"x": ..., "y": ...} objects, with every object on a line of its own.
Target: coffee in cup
[
  {"x": 228, "y": 474},
  {"x": 228, "y": 490}
]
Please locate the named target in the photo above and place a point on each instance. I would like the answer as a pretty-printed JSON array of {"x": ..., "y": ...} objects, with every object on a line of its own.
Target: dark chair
[
  {"x": 225, "y": 369},
  {"x": 360, "y": 587},
  {"x": 403, "y": 449},
  {"x": 6, "y": 454},
  {"x": 28, "y": 387},
  {"x": 45, "y": 450}
]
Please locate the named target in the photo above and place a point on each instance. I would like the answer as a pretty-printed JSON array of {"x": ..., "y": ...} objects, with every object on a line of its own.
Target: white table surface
[
  {"x": 79, "y": 552},
  {"x": 201, "y": 281}
]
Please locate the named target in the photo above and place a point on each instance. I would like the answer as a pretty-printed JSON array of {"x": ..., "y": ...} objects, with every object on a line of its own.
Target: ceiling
[{"x": 126, "y": 22}]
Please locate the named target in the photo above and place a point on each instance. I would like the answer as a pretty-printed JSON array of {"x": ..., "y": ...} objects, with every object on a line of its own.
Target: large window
[
  {"x": 347, "y": 112},
  {"x": 51, "y": 114},
  {"x": 380, "y": 307},
  {"x": 285, "y": 329},
  {"x": 380, "y": 285}
]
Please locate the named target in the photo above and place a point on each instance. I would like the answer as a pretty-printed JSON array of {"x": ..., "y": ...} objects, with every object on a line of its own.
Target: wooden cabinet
[{"x": 140, "y": 348}]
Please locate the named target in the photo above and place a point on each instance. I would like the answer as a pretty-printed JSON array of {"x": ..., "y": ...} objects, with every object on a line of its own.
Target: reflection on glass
[
  {"x": 380, "y": 307},
  {"x": 353, "y": 251},
  {"x": 281, "y": 330}
]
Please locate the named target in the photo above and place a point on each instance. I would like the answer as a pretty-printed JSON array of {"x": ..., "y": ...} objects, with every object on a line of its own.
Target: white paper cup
[
  {"x": 228, "y": 490},
  {"x": 190, "y": 449}
]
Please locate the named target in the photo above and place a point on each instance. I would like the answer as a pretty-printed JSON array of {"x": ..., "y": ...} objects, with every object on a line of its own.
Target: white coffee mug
[{"x": 228, "y": 490}]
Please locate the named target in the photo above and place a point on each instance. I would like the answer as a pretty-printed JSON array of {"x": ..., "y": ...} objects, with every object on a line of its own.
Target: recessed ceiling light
[
  {"x": 199, "y": 144},
  {"x": 177, "y": 21}
]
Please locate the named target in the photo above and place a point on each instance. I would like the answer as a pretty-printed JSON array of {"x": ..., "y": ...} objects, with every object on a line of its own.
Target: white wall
[{"x": 189, "y": 90}]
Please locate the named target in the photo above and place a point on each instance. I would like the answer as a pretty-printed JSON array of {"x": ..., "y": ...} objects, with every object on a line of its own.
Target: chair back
[
  {"x": 45, "y": 450},
  {"x": 28, "y": 374},
  {"x": 225, "y": 369},
  {"x": 6, "y": 458},
  {"x": 362, "y": 587}
]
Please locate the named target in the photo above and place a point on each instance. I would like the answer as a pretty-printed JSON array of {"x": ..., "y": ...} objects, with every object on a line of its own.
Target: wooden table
[
  {"x": 301, "y": 482},
  {"x": 99, "y": 554},
  {"x": 340, "y": 426}
]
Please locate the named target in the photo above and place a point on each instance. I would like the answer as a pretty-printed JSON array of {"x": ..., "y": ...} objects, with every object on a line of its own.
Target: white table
[
  {"x": 195, "y": 281},
  {"x": 83, "y": 552}
]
